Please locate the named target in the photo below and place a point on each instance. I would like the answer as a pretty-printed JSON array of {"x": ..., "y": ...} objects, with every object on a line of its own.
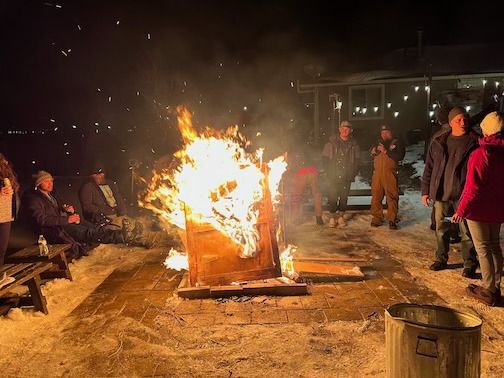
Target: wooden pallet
[{"x": 274, "y": 287}]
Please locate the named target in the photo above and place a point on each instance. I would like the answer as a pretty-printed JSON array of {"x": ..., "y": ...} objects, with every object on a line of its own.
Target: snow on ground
[{"x": 414, "y": 156}]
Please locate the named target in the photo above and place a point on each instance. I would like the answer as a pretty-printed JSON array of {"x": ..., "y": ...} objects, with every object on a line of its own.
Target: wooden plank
[
  {"x": 328, "y": 269},
  {"x": 31, "y": 254},
  {"x": 332, "y": 259},
  {"x": 194, "y": 292}
]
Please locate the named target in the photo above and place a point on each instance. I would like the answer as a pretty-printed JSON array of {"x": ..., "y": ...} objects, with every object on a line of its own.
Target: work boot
[
  {"x": 376, "y": 222},
  {"x": 469, "y": 273},
  {"x": 332, "y": 222},
  {"x": 481, "y": 294},
  {"x": 438, "y": 265},
  {"x": 341, "y": 222},
  {"x": 127, "y": 231},
  {"x": 319, "y": 221}
]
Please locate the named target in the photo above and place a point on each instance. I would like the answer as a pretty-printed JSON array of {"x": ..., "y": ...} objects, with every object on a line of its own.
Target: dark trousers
[
  {"x": 444, "y": 209},
  {"x": 5, "y": 229},
  {"x": 338, "y": 195},
  {"x": 88, "y": 233}
]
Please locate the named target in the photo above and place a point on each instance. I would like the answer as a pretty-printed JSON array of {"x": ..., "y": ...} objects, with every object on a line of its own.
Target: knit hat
[
  {"x": 41, "y": 176},
  {"x": 346, "y": 124},
  {"x": 385, "y": 127},
  {"x": 97, "y": 168},
  {"x": 455, "y": 112},
  {"x": 492, "y": 124}
]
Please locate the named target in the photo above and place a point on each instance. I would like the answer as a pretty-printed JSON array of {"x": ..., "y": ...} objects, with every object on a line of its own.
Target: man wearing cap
[
  {"x": 341, "y": 160},
  {"x": 100, "y": 199},
  {"x": 60, "y": 224},
  {"x": 442, "y": 184},
  {"x": 387, "y": 154}
]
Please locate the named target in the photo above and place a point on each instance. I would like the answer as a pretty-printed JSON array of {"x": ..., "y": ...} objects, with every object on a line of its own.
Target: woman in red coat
[{"x": 482, "y": 204}]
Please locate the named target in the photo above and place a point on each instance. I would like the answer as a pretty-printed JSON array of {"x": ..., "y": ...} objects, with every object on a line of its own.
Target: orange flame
[{"x": 215, "y": 181}]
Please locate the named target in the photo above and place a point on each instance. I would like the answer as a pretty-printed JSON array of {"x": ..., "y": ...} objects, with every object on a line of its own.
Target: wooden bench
[
  {"x": 24, "y": 274},
  {"x": 56, "y": 256}
]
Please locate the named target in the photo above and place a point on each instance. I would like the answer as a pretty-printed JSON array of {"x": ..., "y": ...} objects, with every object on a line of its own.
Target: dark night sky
[{"x": 262, "y": 46}]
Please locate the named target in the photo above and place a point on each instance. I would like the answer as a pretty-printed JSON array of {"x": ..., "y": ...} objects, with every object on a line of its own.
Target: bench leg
[
  {"x": 39, "y": 301},
  {"x": 63, "y": 269}
]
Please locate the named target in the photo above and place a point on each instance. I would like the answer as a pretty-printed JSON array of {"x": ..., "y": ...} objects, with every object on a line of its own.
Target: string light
[
  {"x": 431, "y": 113},
  {"x": 468, "y": 108},
  {"x": 376, "y": 109},
  {"x": 427, "y": 88},
  {"x": 434, "y": 106},
  {"x": 417, "y": 88},
  {"x": 357, "y": 109},
  {"x": 405, "y": 97},
  {"x": 497, "y": 84},
  {"x": 364, "y": 110},
  {"x": 484, "y": 81},
  {"x": 396, "y": 114},
  {"x": 389, "y": 105}
]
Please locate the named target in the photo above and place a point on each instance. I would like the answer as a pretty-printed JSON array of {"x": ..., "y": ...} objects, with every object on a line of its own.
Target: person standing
[
  {"x": 306, "y": 174},
  {"x": 442, "y": 184},
  {"x": 341, "y": 159},
  {"x": 9, "y": 188},
  {"x": 482, "y": 205},
  {"x": 387, "y": 154}
]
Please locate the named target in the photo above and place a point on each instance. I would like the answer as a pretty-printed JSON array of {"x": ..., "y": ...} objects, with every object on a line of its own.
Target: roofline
[{"x": 398, "y": 80}]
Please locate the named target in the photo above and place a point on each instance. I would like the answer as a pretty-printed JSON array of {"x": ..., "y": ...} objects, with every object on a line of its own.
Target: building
[{"x": 407, "y": 93}]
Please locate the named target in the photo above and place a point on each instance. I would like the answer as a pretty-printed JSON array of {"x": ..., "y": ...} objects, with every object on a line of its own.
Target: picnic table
[
  {"x": 56, "y": 256},
  {"x": 24, "y": 274}
]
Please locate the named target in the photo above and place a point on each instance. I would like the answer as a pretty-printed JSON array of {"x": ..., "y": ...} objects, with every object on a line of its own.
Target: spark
[
  {"x": 292, "y": 84},
  {"x": 109, "y": 127},
  {"x": 65, "y": 144},
  {"x": 58, "y": 6},
  {"x": 55, "y": 129},
  {"x": 79, "y": 27},
  {"x": 117, "y": 22},
  {"x": 138, "y": 93},
  {"x": 110, "y": 99},
  {"x": 74, "y": 127},
  {"x": 127, "y": 109},
  {"x": 98, "y": 89},
  {"x": 245, "y": 108},
  {"x": 33, "y": 161},
  {"x": 64, "y": 52},
  {"x": 52, "y": 120},
  {"x": 148, "y": 35},
  {"x": 152, "y": 150},
  {"x": 97, "y": 124},
  {"x": 67, "y": 152}
]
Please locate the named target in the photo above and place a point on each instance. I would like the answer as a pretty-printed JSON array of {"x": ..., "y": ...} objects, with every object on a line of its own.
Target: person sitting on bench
[
  {"x": 60, "y": 224},
  {"x": 101, "y": 201}
]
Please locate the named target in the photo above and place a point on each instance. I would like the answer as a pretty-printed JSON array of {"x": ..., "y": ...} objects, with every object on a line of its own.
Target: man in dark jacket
[
  {"x": 60, "y": 224},
  {"x": 100, "y": 199},
  {"x": 341, "y": 162},
  {"x": 442, "y": 184},
  {"x": 387, "y": 154}
]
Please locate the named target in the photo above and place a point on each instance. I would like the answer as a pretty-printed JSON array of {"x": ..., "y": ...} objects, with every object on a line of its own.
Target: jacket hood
[
  {"x": 441, "y": 138},
  {"x": 492, "y": 140}
]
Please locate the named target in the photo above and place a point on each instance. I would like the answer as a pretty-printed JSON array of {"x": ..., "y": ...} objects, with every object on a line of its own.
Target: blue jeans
[{"x": 444, "y": 209}]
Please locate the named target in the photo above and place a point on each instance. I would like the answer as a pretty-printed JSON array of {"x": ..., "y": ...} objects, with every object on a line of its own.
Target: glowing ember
[
  {"x": 215, "y": 181},
  {"x": 176, "y": 260}
]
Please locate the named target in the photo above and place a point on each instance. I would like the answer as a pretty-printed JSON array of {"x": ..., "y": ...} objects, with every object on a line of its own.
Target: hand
[
  {"x": 381, "y": 148},
  {"x": 373, "y": 151},
  {"x": 7, "y": 191},
  {"x": 74, "y": 218},
  {"x": 426, "y": 201},
  {"x": 69, "y": 209},
  {"x": 456, "y": 218}
]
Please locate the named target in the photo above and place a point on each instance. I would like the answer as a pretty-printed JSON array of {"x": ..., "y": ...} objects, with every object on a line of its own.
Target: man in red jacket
[{"x": 482, "y": 205}]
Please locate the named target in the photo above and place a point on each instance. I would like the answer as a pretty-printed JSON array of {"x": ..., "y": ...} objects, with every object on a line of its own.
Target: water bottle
[{"x": 42, "y": 243}]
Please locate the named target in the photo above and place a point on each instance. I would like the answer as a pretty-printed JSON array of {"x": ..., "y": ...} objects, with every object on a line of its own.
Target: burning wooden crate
[{"x": 215, "y": 259}]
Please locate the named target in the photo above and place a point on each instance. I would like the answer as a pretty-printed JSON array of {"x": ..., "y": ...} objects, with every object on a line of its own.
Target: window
[{"x": 366, "y": 102}]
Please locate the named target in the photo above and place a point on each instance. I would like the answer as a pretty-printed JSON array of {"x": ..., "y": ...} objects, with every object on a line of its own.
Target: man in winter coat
[
  {"x": 387, "y": 154},
  {"x": 482, "y": 205},
  {"x": 442, "y": 184},
  {"x": 341, "y": 160},
  {"x": 60, "y": 224},
  {"x": 101, "y": 201}
]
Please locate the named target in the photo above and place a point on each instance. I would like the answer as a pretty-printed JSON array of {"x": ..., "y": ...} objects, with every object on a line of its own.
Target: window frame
[{"x": 381, "y": 114}]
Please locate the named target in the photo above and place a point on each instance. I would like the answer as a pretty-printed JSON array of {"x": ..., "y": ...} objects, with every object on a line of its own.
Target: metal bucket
[{"x": 424, "y": 341}]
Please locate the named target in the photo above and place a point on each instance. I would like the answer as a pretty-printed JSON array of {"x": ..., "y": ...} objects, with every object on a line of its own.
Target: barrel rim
[{"x": 442, "y": 308}]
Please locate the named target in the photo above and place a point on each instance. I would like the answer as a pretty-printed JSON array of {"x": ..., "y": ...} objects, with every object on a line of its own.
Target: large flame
[{"x": 215, "y": 181}]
